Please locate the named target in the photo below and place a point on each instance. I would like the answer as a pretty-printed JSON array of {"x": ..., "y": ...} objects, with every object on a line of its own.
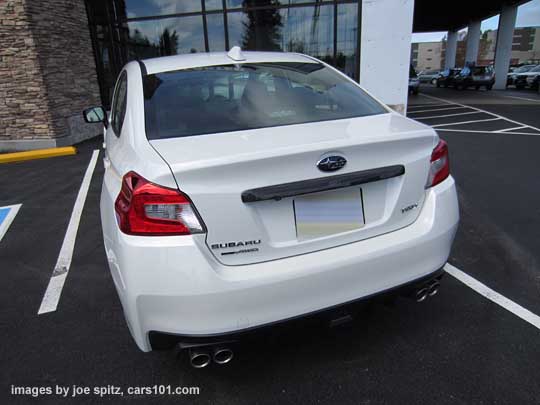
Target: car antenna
[{"x": 236, "y": 54}]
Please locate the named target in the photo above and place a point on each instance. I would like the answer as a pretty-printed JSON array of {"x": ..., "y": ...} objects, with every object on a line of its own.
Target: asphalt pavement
[{"x": 457, "y": 347}]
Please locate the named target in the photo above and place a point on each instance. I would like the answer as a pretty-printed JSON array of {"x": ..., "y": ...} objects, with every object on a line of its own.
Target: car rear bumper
[
  {"x": 173, "y": 285},
  {"x": 327, "y": 317}
]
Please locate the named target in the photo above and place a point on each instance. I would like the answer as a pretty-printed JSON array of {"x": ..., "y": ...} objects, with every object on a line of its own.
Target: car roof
[{"x": 194, "y": 60}]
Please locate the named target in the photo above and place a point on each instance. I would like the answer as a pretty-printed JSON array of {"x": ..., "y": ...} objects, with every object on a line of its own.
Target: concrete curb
[{"x": 37, "y": 154}]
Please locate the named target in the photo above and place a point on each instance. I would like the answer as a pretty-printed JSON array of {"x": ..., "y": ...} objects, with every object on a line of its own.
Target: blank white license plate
[{"x": 328, "y": 213}]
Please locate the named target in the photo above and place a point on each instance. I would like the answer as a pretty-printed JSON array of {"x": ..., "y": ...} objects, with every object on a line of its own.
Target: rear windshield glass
[
  {"x": 232, "y": 98},
  {"x": 481, "y": 70}
]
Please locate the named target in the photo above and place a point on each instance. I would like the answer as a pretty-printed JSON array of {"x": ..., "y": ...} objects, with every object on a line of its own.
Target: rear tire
[
  {"x": 489, "y": 87},
  {"x": 434, "y": 81},
  {"x": 519, "y": 86}
]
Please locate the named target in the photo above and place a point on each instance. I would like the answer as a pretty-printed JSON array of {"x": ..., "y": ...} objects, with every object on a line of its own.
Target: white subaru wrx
[{"x": 244, "y": 189}]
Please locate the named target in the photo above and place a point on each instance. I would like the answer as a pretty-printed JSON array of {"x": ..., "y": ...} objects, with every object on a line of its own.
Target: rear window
[
  {"x": 481, "y": 70},
  {"x": 232, "y": 98}
]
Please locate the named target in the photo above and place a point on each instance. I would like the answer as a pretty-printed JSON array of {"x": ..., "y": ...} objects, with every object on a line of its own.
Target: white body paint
[{"x": 179, "y": 285}]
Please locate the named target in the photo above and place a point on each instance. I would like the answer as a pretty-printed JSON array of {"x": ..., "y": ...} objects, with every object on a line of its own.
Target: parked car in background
[
  {"x": 512, "y": 76},
  {"x": 205, "y": 239},
  {"x": 533, "y": 81},
  {"x": 475, "y": 76},
  {"x": 446, "y": 77},
  {"x": 429, "y": 76},
  {"x": 521, "y": 79},
  {"x": 414, "y": 83}
]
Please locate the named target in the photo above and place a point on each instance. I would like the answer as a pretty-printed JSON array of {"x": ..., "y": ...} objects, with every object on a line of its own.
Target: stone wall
[
  {"x": 24, "y": 112},
  {"x": 47, "y": 73}
]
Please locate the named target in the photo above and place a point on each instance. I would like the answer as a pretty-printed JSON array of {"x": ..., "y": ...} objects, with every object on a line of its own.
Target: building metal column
[
  {"x": 473, "y": 42},
  {"x": 451, "y": 48},
  {"x": 503, "y": 50}
]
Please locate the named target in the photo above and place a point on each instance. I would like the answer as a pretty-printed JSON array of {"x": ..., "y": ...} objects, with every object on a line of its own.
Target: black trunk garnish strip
[{"x": 279, "y": 191}]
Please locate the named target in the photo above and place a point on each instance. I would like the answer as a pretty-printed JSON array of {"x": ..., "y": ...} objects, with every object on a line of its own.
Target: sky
[{"x": 528, "y": 15}]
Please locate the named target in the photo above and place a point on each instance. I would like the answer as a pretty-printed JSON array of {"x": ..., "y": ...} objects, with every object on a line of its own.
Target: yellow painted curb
[{"x": 37, "y": 154}]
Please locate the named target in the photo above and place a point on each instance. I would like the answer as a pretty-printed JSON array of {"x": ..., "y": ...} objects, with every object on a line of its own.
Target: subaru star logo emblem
[{"x": 331, "y": 163}]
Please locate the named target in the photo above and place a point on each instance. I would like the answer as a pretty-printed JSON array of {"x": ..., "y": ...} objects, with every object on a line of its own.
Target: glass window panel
[
  {"x": 145, "y": 8},
  {"x": 216, "y": 32},
  {"x": 309, "y": 30},
  {"x": 169, "y": 36},
  {"x": 261, "y": 30},
  {"x": 347, "y": 35},
  {"x": 216, "y": 99},
  {"x": 231, "y": 4},
  {"x": 105, "y": 70},
  {"x": 236, "y": 22},
  {"x": 298, "y": 29},
  {"x": 98, "y": 12},
  {"x": 213, "y": 5},
  {"x": 235, "y": 3}
]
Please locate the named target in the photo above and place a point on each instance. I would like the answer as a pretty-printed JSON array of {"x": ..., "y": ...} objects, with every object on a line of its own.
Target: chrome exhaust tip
[
  {"x": 199, "y": 358},
  {"x": 222, "y": 355},
  {"x": 433, "y": 288},
  {"x": 421, "y": 294}
]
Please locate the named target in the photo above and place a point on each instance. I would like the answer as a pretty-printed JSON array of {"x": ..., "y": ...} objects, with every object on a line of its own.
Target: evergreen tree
[
  {"x": 168, "y": 42},
  {"x": 262, "y": 30}
]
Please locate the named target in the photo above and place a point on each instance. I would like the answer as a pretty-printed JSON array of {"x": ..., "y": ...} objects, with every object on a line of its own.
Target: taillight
[
  {"x": 440, "y": 165},
  {"x": 144, "y": 208}
]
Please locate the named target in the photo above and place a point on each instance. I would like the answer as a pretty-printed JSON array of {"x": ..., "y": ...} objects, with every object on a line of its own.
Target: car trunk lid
[{"x": 262, "y": 196}]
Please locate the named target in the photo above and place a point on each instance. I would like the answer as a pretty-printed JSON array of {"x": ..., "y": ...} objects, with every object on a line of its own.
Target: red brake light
[
  {"x": 440, "y": 165},
  {"x": 145, "y": 208}
]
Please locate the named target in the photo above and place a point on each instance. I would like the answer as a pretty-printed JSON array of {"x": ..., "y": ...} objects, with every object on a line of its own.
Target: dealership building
[{"x": 58, "y": 57}]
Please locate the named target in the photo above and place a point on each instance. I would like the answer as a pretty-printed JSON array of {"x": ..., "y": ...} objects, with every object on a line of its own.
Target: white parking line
[
  {"x": 466, "y": 122},
  {"x": 511, "y": 129},
  {"x": 494, "y": 296},
  {"x": 56, "y": 283},
  {"x": 536, "y": 100},
  {"x": 486, "y": 132},
  {"x": 12, "y": 210},
  {"x": 435, "y": 109},
  {"x": 446, "y": 115},
  {"x": 426, "y": 105},
  {"x": 480, "y": 110}
]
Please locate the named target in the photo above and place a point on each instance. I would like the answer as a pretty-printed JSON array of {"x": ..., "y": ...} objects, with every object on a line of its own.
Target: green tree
[
  {"x": 262, "y": 30},
  {"x": 168, "y": 42}
]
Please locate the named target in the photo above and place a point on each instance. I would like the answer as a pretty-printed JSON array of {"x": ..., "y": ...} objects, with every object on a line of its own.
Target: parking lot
[{"x": 457, "y": 347}]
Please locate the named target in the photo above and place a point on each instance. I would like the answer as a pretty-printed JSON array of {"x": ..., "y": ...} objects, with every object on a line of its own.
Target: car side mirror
[{"x": 94, "y": 115}]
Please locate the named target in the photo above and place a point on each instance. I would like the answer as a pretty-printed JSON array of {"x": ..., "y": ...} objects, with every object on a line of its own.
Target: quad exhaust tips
[
  {"x": 433, "y": 288},
  {"x": 222, "y": 355},
  {"x": 421, "y": 294},
  {"x": 200, "y": 357},
  {"x": 427, "y": 290}
]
